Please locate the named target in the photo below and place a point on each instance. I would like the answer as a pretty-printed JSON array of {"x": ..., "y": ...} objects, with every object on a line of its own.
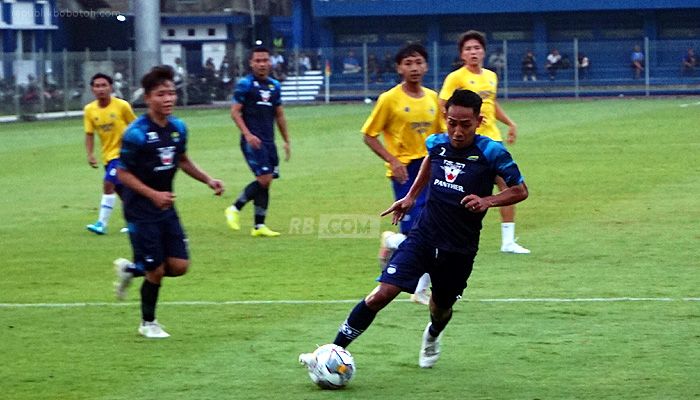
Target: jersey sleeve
[
  {"x": 377, "y": 120},
  {"x": 131, "y": 143},
  {"x": 88, "y": 126},
  {"x": 241, "y": 91},
  {"x": 128, "y": 113},
  {"x": 439, "y": 124},
  {"x": 277, "y": 100},
  {"x": 503, "y": 163},
  {"x": 448, "y": 86}
]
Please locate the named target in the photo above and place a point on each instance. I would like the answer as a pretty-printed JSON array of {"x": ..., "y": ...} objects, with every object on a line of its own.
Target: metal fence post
[
  {"x": 646, "y": 65},
  {"x": 366, "y": 72},
  {"x": 575, "y": 61},
  {"x": 505, "y": 68},
  {"x": 66, "y": 90},
  {"x": 436, "y": 66}
]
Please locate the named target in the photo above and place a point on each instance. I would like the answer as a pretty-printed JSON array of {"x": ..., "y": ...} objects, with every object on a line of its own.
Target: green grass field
[{"x": 606, "y": 306}]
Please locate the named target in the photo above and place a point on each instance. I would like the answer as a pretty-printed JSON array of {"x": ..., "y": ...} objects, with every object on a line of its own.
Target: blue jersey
[
  {"x": 151, "y": 152},
  {"x": 260, "y": 99},
  {"x": 455, "y": 173}
]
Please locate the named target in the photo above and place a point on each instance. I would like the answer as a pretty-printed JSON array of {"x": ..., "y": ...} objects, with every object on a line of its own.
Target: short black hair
[
  {"x": 157, "y": 76},
  {"x": 100, "y": 75},
  {"x": 465, "y": 98},
  {"x": 258, "y": 49},
  {"x": 472, "y": 34},
  {"x": 409, "y": 50}
]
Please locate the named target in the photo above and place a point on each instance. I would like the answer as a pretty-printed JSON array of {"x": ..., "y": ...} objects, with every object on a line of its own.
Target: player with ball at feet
[{"x": 458, "y": 172}]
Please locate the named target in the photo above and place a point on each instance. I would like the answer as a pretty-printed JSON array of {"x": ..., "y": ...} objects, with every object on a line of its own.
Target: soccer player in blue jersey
[
  {"x": 257, "y": 105},
  {"x": 458, "y": 173},
  {"x": 153, "y": 148}
]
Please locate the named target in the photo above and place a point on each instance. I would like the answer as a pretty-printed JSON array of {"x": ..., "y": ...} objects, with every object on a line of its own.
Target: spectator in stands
[
  {"x": 373, "y": 68},
  {"x": 304, "y": 63},
  {"x": 457, "y": 63},
  {"x": 583, "y": 65},
  {"x": 553, "y": 63},
  {"x": 637, "y": 62},
  {"x": 529, "y": 66},
  {"x": 350, "y": 64},
  {"x": 226, "y": 75},
  {"x": 279, "y": 70},
  {"x": 689, "y": 62},
  {"x": 497, "y": 61},
  {"x": 388, "y": 67}
]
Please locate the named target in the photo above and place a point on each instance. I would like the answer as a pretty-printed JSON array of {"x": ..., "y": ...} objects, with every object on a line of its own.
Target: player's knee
[
  {"x": 176, "y": 266},
  {"x": 381, "y": 296}
]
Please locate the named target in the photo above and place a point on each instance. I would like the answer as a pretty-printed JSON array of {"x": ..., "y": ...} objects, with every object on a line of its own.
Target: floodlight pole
[{"x": 147, "y": 36}]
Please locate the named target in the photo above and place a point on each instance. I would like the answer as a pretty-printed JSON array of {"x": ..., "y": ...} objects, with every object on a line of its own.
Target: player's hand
[
  {"x": 475, "y": 203},
  {"x": 163, "y": 200},
  {"x": 287, "y": 151},
  {"x": 399, "y": 208},
  {"x": 253, "y": 141},
  {"x": 92, "y": 161},
  {"x": 217, "y": 186},
  {"x": 512, "y": 134},
  {"x": 399, "y": 172}
]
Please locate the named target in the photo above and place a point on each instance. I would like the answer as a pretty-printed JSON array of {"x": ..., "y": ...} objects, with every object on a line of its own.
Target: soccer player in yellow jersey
[
  {"x": 472, "y": 76},
  {"x": 405, "y": 115},
  {"x": 107, "y": 116}
]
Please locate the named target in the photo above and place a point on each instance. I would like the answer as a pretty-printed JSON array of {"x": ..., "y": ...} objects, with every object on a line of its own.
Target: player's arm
[
  {"x": 237, "y": 117},
  {"x": 511, "y": 195},
  {"x": 89, "y": 129},
  {"x": 398, "y": 170},
  {"x": 162, "y": 200},
  {"x": 193, "y": 170},
  {"x": 90, "y": 149},
  {"x": 402, "y": 206},
  {"x": 282, "y": 125},
  {"x": 503, "y": 117}
]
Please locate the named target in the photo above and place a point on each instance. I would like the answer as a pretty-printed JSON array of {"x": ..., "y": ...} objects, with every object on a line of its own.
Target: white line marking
[{"x": 352, "y": 301}]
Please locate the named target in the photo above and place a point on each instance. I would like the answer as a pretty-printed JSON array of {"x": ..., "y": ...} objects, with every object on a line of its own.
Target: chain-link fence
[{"x": 36, "y": 84}]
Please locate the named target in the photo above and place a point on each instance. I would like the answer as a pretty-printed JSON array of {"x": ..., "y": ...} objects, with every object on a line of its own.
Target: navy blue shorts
[
  {"x": 449, "y": 271},
  {"x": 262, "y": 161},
  {"x": 111, "y": 172},
  {"x": 153, "y": 242}
]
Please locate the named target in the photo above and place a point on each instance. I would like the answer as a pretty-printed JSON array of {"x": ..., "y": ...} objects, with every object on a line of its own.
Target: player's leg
[
  {"x": 109, "y": 198},
  {"x": 508, "y": 243},
  {"x": 150, "y": 328},
  {"x": 449, "y": 272},
  {"x": 267, "y": 172},
  {"x": 401, "y": 274},
  {"x": 252, "y": 158}
]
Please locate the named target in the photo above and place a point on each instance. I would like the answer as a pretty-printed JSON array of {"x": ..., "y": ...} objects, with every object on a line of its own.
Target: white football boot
[
  {"x": 152, "y": 330},
  {"x": 430, "y": 349}
]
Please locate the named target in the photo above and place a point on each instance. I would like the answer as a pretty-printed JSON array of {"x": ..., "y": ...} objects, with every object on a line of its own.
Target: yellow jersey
[
  {"x": 485, "y": 85},
  {"x": 110, "y": 123},
  {"x": 405, "y": 122}
]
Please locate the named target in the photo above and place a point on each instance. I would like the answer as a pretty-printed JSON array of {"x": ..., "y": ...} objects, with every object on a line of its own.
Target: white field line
[
  {"x": 697, "y": 103},
  {"x": 352, "y": 301}
]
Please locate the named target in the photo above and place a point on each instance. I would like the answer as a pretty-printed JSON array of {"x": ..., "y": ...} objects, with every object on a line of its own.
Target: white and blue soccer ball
[{"x": 334, "y": 367}]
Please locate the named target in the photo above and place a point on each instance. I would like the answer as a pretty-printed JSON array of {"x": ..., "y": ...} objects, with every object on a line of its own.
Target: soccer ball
[{"x": 334, "y": 367}]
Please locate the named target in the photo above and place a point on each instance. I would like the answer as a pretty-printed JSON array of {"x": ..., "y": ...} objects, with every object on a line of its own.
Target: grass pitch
[{"x": 606, "y": 306}]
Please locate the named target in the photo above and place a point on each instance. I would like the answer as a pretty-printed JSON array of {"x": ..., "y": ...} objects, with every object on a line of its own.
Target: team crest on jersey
[
  {"x": 113, "y": 115},
  {"x": 265, "y": 95},
  {"x": 175, "y": 136},
  {"x": 167, "y": 155},
  {"x": 452, "y": 170},
  {"x": 151, "y": 137},
  {"x": 407, "y": 109},
  {"x": 473, "y": 158}
]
